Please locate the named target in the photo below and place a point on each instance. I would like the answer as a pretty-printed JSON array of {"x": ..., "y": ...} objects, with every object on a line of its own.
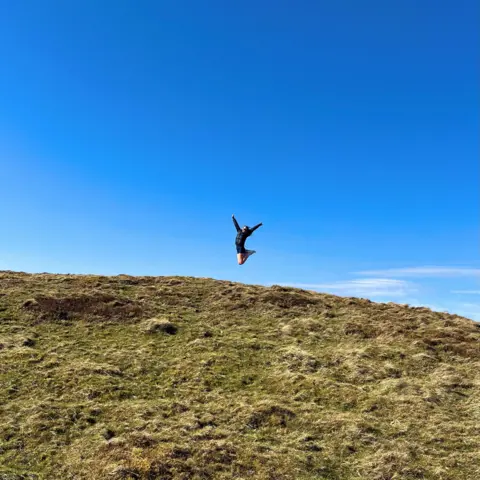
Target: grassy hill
[{"x": 191, "y": 378}]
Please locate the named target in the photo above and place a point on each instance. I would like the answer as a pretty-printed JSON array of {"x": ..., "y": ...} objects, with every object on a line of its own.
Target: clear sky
[{"x": 130, "y": 131}]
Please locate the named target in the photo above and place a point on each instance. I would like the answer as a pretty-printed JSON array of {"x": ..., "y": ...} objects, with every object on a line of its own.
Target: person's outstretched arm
[
  {"x": 256, "y": 226},
  {"x": 237, "y": 226}
]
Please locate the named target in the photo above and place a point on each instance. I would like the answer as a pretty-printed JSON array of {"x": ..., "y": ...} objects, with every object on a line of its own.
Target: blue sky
[{"x": 131, "y": 131}]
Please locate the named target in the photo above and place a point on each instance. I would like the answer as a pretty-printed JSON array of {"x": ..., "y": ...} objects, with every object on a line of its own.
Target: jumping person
[{"x": 242, "y": 234}]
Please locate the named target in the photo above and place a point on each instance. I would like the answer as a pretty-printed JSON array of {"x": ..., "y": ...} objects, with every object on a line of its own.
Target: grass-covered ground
[{"x": 184, "y": 378}]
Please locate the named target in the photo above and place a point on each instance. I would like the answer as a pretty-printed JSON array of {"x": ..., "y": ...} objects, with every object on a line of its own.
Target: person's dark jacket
[{"x": 242, "y": 235}]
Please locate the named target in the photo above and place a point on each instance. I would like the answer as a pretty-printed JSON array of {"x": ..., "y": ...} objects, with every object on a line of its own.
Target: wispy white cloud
[
  {"x": 466, "y": 292},
  {"x": 427, "y": 271},
  {"x": 367, "y": 287}
]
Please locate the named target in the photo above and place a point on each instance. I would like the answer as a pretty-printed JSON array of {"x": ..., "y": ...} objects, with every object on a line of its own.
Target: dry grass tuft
[{"x": 156, "y": 325}]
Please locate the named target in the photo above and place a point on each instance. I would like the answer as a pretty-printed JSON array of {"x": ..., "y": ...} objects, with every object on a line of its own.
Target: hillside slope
[{"x": 188, "y": 378}]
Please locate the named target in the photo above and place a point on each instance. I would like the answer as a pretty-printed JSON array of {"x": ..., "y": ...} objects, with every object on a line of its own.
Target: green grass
[{"x": 255, "y": 383}]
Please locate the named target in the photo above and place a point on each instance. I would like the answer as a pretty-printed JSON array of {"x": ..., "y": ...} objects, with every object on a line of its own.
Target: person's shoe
[{"x": 251, "y": 252}]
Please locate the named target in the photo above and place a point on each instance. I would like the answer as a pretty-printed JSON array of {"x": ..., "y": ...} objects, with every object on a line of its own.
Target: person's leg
[
  {"x": 242, "y": 254},
  {"x": 246, "y": 255}
]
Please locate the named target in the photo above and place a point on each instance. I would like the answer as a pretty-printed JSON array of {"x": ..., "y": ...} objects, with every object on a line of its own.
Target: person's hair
[{"x": 246, "y": 226}]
